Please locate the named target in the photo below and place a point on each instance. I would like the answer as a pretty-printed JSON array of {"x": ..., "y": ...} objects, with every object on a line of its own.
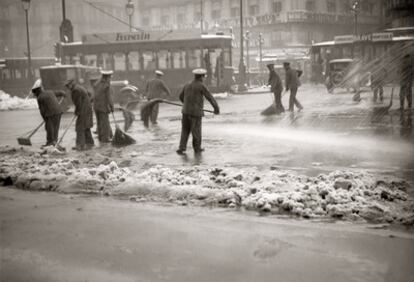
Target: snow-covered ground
[
  {"x": 8, "y": 102},
  {"x": 333, "y": 160}
]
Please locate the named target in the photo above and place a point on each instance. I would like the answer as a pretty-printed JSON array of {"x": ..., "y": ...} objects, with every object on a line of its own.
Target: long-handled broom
[
  {"x": 147, "y": 108},
  {"x": 120, "y": 138}
]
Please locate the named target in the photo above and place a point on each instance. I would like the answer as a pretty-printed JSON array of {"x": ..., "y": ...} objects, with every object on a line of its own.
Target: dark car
[{"x": 345, "y": 74}]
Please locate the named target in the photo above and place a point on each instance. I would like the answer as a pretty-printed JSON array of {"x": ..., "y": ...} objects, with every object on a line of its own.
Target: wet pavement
[{"x": 333, "y": 132}]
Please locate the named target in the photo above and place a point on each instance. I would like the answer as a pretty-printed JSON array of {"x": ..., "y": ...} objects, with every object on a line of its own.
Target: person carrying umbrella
[
  {"x": 83, "y": 110},
  {"x": 156, "y": 88},
  {"x": 50, "y": 110},
  {"x": 103, "y": 106},
  {"x": 192, "y": 96}
]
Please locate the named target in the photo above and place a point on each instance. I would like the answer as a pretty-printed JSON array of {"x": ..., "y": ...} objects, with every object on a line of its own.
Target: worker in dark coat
[
  {"x": 103, "y": 106},
  {"x": 378, "y": 77},
  {"x": 156, "y": 88},
  {"x": 407, "y": 74},
  {"x": 276, "y": 87},
  {"x": 83, "y": 110},
  {"x": 292, "y": 83},
  {"x": 50, "y": 110},
  {"x": 192, "y": 96}
]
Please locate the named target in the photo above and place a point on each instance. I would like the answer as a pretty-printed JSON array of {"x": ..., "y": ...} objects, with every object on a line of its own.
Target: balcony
[{"x": 400, "y": 4}]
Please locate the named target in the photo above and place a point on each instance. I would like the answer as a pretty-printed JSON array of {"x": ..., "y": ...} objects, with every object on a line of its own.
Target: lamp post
[
  {"x": 261, "y": 41},
  {"x": 26, "y": 7},
  {"x": 129, "y": 8},
  {"x": 247, "y": 37},
  {"x": 202, "y": 16},
  {"x": 242, "y": 67},
  {"x": 355, "y": 10}
]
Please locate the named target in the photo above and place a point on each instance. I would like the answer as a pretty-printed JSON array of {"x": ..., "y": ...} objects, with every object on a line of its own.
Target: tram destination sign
[{"x": 125, "y": 37}]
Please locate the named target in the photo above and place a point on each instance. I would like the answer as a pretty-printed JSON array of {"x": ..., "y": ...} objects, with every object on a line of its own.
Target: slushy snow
[
  {"x": 8, "y": 102},
  {"x": 349, "y": 195}
]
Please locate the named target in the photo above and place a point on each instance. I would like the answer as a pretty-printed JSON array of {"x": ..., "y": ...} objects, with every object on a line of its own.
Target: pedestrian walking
[
  {"x": 292, "y": 83},
  {"x": 103, "y": 106},
  {"x": 84, "y": 113},
  {"x": 378, "y": 78},
  {"x": 156, "y": 88},
  {"x": 406, "y": 82},
  {"x": 50, "y": 110},
  {"x": 192, "y": 96},
  {"x": 276, "y": 87}
]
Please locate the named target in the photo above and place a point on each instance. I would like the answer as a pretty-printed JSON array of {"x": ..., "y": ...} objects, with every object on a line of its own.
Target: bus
[
  {"x": 135, "y": 56},
  {"x": 348, "y": 60},
  {"x": 14, "y": 74}
]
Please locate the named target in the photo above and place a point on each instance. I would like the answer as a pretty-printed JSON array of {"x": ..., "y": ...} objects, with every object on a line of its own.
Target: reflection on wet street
[{"x": 332, "y": 132}]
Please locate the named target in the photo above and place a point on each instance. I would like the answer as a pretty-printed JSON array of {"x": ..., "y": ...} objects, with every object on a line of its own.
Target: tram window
[
  {"x": 133, "y": 61},
  {"x": 194, "y": 58},
  {"x": 164, "y": 61},
  {"x": 149, "y": 60},
  {"x": 226, "y": 55},
  {"x": 119, "y": 62},
  {"x": 91, "y": 60},
  {"x": 6, "y": 74},
  {"x": 17, "y": 74},
  {"x": 347, "y": 52},
  {"x": 178, "y": 58},
  {"x": 107, "y": 61}
]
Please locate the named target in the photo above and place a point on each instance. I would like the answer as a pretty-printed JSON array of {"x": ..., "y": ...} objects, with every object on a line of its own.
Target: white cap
[
  {"x": 106, "y": 72},
  {"x": 199, "y": 71},
  {"x": 37, "y": 84},
  {"x": 159, "y": 72}
]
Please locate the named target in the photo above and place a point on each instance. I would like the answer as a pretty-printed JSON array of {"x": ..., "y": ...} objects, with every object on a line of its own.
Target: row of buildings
[{"x": 283, "y": 24}]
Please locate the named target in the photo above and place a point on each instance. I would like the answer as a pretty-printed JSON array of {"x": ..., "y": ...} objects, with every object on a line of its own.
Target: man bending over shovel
[{"x": 50, "y": 110}]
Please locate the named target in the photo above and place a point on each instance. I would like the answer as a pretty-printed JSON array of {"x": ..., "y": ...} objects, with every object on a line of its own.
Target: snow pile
[
  {"x": 8, "y": 102},
  {"x": 340, "y": 194}
]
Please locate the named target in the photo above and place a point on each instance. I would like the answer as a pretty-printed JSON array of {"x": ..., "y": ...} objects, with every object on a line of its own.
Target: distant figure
[
  {"x": 292, "y": 83},
  {"x": 276, "y": 87},
  {"x": 50, "y": 110},
  {"x": 103, "y": 106},
  {"x": 192, "y": 96},
  {"x": 156, "y": 88},
  {"x": 378, "y": 77},
  {"x": 83, "y": 110},
  {"x": 406, "y": 82}
]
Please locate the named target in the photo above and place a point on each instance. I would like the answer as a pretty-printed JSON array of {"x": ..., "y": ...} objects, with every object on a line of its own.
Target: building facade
[
  {"x": 45, "y": 18},
  {"x": 399, "y": 13}
]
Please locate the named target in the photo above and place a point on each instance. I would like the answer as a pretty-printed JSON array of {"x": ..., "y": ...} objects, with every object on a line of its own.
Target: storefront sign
[
  {"x": 383, "y": 36},
  {"x": 343, "y": 39}
]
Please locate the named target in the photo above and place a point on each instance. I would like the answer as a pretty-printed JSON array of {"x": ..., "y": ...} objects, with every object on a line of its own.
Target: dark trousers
[
  {"x": 406, "y": 93},
  {"x": 84, "y": 138},
  {"x": 293, "y": 101},
  {"x": 52, "y": 125},
  {"x": 278, "y": 100},
  {"x": 154, "y": 113},
  {"x": 378, "y": 90},
  {"x": 103, "y": 127},
  {"x": 190, "y": 124}
]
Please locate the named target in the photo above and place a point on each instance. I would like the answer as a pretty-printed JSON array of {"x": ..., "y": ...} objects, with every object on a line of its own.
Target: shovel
[{"x": 25, "y": 140}]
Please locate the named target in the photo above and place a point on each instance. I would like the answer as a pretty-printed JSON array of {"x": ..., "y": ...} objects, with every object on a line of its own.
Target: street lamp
[
  {"x": 242, "y": 67},
  {"x": 355, "y": 10},
  {"x": 247, "y": 38},
  {"x": 129, "y": 8},
  {"x": 261, "y": 41},
  {"x": 26, "y": 7}
]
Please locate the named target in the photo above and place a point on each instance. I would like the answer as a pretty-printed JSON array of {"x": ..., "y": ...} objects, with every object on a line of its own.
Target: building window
[
  {"x": 276, "y": 37},
  {"x": 310, "y": 5},
  {"x": 234, "y": 8},
  {"x": 181, "y": 15},
  {"x": 165, "y": 20},
  {"x": 216, "y": 10},
  {"x": 276, "y": 7},
  {"x": 331, "y": 6},
  {"x": 253, "y": 7}
]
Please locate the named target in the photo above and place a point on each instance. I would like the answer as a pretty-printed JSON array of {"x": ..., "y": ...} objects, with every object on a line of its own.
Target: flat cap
[
  {"x": 69, "y": 81},
  {"x": 37, "y": 84},
  {"x": 286, "y": 63},
  {"x": 199, "y": 71},
  {"x": 158, "y": 72}
]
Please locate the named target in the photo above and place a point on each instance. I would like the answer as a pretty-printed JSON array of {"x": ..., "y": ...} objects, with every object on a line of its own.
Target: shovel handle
[
  {"x": 177, "y": 104},
  {"x": 66, "y": 130}
]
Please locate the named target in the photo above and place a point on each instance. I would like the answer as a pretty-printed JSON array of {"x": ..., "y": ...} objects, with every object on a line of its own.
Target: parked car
[{"x": 346, "y": 74}]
